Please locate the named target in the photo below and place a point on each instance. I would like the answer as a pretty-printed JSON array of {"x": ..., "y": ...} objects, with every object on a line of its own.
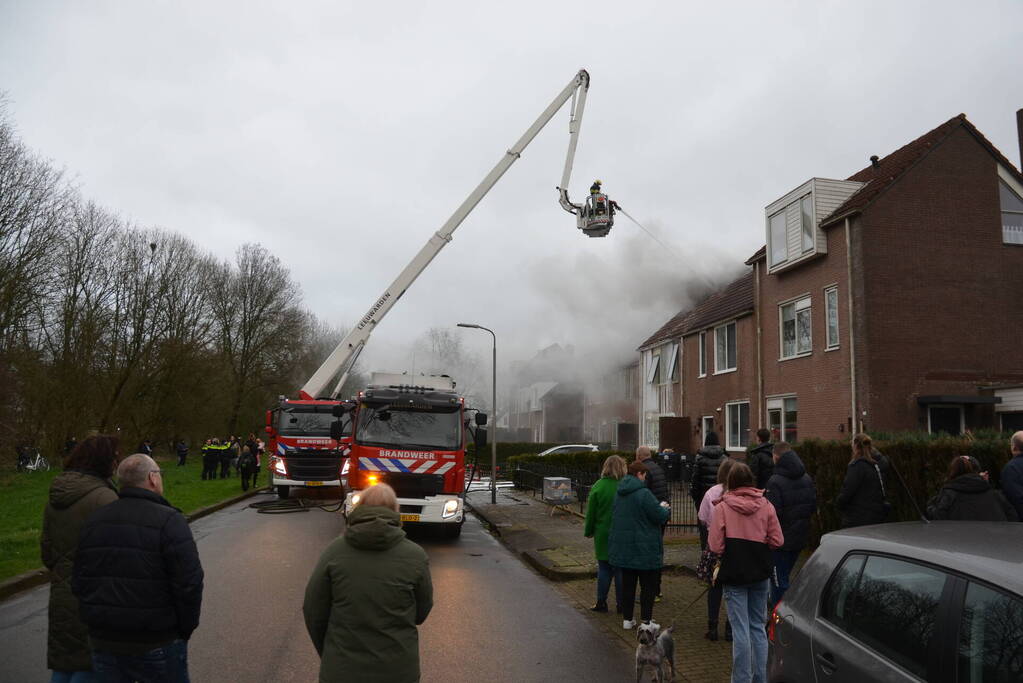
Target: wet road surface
[{"x": 493, "y": 618}]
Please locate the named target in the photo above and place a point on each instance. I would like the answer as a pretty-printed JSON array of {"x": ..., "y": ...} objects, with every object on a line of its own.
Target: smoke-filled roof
[{"x": 731, "y": 301}]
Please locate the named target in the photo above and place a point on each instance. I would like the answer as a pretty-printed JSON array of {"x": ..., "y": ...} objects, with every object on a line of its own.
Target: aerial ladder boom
[{"x": 344, "y": 356}]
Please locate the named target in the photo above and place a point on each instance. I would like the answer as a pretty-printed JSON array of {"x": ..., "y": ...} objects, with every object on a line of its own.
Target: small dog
[{"x": 656, "y": 649}]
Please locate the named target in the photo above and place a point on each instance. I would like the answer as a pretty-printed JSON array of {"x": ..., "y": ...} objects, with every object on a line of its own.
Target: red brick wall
[
  {"x": 942, "y": 296},
  {"x": 704, "y": 396},
  {"x": 820, "y": 381}
]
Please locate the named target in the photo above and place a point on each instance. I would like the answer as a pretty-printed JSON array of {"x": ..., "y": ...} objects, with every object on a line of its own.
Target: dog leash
[{"x": 697, "y": 598}]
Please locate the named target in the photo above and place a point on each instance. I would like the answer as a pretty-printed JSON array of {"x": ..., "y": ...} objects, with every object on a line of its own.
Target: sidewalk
[
  {"x": 551, "y": 539},
  {"x": 555, "y": 546}
]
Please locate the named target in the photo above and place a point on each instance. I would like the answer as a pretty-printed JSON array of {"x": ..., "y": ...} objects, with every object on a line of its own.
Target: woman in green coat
[
  {"x": 635, "y": 542},
  {"x": 599, "y": 505},
  {"x": 83, "y": 486},
  {"x": 368, "y": 593}
]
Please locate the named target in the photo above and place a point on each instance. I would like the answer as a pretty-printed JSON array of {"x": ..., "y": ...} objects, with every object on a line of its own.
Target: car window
[
  {"x": 990, "y": 637},
  {"x": 891, "y": 608},
  {"x": 841, "y": 591}
]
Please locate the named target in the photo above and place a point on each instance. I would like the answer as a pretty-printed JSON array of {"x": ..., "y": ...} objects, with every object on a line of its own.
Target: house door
[{"x": 706, "y": 427}]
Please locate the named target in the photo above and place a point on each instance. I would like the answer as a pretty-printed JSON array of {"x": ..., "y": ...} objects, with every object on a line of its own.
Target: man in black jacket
[
  {"x": 138, "y": 580},
  {"x": 794, "y": 496},
  {"x": 761, "y": 458},
  {"x": 705, "y": 471}
]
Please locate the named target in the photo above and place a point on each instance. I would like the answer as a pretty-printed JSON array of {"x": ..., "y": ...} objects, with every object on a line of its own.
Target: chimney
[
  {"x": 1019, "y": 132},
  {"x": 874, "y": 162}
]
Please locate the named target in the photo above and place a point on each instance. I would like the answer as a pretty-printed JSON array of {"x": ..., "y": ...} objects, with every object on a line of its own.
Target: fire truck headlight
[
  {"x": 450, "y": 508},
  {"x": 279, "y": 467},
  {"x": 355, "y": 499}
]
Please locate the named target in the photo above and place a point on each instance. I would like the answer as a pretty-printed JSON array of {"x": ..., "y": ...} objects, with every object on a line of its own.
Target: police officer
[{"x": 210, "y": 458}]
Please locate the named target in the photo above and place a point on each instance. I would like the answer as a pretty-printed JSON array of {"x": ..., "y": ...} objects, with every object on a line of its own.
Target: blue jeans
[
  {"x": 72, "y": 677},
  {"x": 747, "y": 612},
  {"x": 165, "y": 664},
  {"x": 784, "y": 561},
  {"x": 605, "y": 572}
]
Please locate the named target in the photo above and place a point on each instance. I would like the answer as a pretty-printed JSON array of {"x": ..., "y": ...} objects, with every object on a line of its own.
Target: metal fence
[{"x": 683, "y": 512}]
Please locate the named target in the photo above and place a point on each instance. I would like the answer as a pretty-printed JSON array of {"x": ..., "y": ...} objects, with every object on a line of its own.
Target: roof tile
[{"x": 730, "y": 301}]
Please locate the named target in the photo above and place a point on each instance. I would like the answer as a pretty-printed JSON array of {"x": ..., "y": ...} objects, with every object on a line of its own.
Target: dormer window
[{"x": 792, "y": 222}]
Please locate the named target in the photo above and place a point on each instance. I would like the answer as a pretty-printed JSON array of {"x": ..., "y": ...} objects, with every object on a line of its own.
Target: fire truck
[
  {"x": 299, "y": 458},
  {"x": 410, "y": 433},
  {"x": 302, "y": 450}
]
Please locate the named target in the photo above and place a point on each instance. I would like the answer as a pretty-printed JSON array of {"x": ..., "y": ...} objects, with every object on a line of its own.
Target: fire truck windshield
[
  {"x": 307, "y": 421},
  {"x": 426, "y": 430}
]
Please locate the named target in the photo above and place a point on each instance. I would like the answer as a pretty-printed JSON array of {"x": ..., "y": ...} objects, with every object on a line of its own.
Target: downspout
[
  {"x": 760, "y": 341},
  {"x": 852, "y": 336}
]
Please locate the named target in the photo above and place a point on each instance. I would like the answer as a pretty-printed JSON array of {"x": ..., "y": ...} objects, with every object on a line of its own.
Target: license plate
[
  {"x": 410, "y": 518},
  {"x": 314, "y": 483}
]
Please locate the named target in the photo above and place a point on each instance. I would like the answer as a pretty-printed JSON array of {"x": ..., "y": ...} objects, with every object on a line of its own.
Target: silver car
[
  {"x": 570, "y": 448},
  {"x": 939, "y": 602}
]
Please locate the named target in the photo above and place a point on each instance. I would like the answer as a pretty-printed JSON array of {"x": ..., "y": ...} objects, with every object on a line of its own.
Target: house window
[
  {"x": 703, "y": 354},
  {"x": 800, "y": 215},
  {"x": 724, "y": 357},
  {"x": 737, "y": 425},
  {"x": 831, "y": 306},
  {"x": 1012, "y": 214},
  {"x": 779, "y": 247},
  {"x": 782, "y": 416},
  {"x": 806, "y": 222},
  {"x": 947, "y": 419},
  {"x": 796, "y": 338},
  {"x": 672, "y": 373},
  {"x": 652, "y": 375}
]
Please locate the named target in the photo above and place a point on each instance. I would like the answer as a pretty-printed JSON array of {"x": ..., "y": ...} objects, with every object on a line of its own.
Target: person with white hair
[
  {"x": 138, "y": 580},
  {"x": 366, "y": 596},
  {"x": 1012, "y": 474}
]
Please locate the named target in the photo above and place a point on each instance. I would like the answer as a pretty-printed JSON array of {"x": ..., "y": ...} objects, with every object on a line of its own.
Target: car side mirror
[
  {"x": 480, "y": 437},
  {"x": 340, "y": 410},
  {"x": 337, "y": 429},
  {"x": 481, "y": 419}
]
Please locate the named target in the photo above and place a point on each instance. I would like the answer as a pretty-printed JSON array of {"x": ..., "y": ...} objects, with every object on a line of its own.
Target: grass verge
[{"x": 23, "y": 497}]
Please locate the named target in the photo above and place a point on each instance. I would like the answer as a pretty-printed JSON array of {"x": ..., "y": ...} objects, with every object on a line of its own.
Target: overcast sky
[{"x": 342, "y": 134}]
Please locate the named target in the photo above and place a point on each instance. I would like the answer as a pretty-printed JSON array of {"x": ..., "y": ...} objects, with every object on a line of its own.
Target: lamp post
[{"x": 493, "y": 411}]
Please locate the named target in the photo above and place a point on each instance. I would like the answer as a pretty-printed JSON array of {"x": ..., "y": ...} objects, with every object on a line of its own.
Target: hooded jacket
[
  {"x": 744, "y": 530},
  {"x": 705, "y": 474},
  {"x": 367, "y": 594},
  {"x": 73, "y": 497},
  {"x": 790, "y": 489},
  {"x": 970, "y": 498},
  {"x": 862, "y": 499},
  {"x": 137, "y": 575},
  {"x": 635, "y": 538}
]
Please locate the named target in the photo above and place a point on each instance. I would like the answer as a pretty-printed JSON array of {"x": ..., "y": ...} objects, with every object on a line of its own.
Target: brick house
[{"x": 884, "y": 301}]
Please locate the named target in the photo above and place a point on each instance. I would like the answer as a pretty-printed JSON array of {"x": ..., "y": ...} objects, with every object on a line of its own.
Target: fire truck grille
[
  {"x": 313, "y": 469},
  {"x": 415, "y": 485},
  {"x": 412, "y": 509}
]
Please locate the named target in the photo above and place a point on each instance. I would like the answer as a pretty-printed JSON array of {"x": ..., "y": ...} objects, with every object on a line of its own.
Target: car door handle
[{"x": 827, "y": 662}]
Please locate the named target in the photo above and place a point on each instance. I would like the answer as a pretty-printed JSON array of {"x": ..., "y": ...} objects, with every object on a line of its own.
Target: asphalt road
[{"x": 493, "y": 618}]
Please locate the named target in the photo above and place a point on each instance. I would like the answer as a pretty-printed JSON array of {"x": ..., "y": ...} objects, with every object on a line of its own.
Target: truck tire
[{"x": 283, "y": 492}]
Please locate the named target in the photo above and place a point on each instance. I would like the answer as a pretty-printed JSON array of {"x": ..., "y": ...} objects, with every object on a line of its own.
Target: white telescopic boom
[{"x": 342, "y": 358}]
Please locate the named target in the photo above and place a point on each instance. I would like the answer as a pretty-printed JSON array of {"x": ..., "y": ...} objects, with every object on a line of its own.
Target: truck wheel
[{"x": 283, "y": 492}]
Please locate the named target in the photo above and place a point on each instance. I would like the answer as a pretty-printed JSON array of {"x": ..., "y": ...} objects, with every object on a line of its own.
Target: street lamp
[{"x": 493, "y": 411}]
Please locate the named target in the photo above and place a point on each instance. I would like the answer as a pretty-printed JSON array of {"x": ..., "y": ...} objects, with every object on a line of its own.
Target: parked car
[
  {"x": 939, "y": 602},
  {"x": 570, "y": 448}
]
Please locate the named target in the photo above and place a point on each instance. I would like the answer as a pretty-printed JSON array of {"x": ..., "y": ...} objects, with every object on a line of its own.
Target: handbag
[{"x": 708, "y": 566}]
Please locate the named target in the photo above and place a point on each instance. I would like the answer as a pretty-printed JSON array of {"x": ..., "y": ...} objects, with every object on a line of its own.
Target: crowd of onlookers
[{"x": 754, "y": 510}]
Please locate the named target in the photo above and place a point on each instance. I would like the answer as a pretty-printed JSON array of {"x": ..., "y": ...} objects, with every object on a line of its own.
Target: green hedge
[
  {"x": 590, "y": 461},
  {"x": 921, "y": 460}
]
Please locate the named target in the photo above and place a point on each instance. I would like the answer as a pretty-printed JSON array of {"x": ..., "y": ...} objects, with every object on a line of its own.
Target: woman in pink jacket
[{"x": 744, "y": 530}]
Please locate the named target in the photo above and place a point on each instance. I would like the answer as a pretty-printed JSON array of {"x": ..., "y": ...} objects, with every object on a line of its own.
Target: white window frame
[
  {"x": 805, "y": 234},
  {"x": 703, "y": 428},
  {"x": 718, "y": 369},
  {"x": 728, "y": 424},
  {"x": 799, "y": 304},
  {"x": 778, "y": 403},
  {"x": 831, "y": 344},
  {"x": 651, "y": 370},
  {"x": 772, "y": 253},
  {"x": 962, "y": 415},
  {"x": 672, "y": 365},
  {"x": 701, "y": 370}
]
